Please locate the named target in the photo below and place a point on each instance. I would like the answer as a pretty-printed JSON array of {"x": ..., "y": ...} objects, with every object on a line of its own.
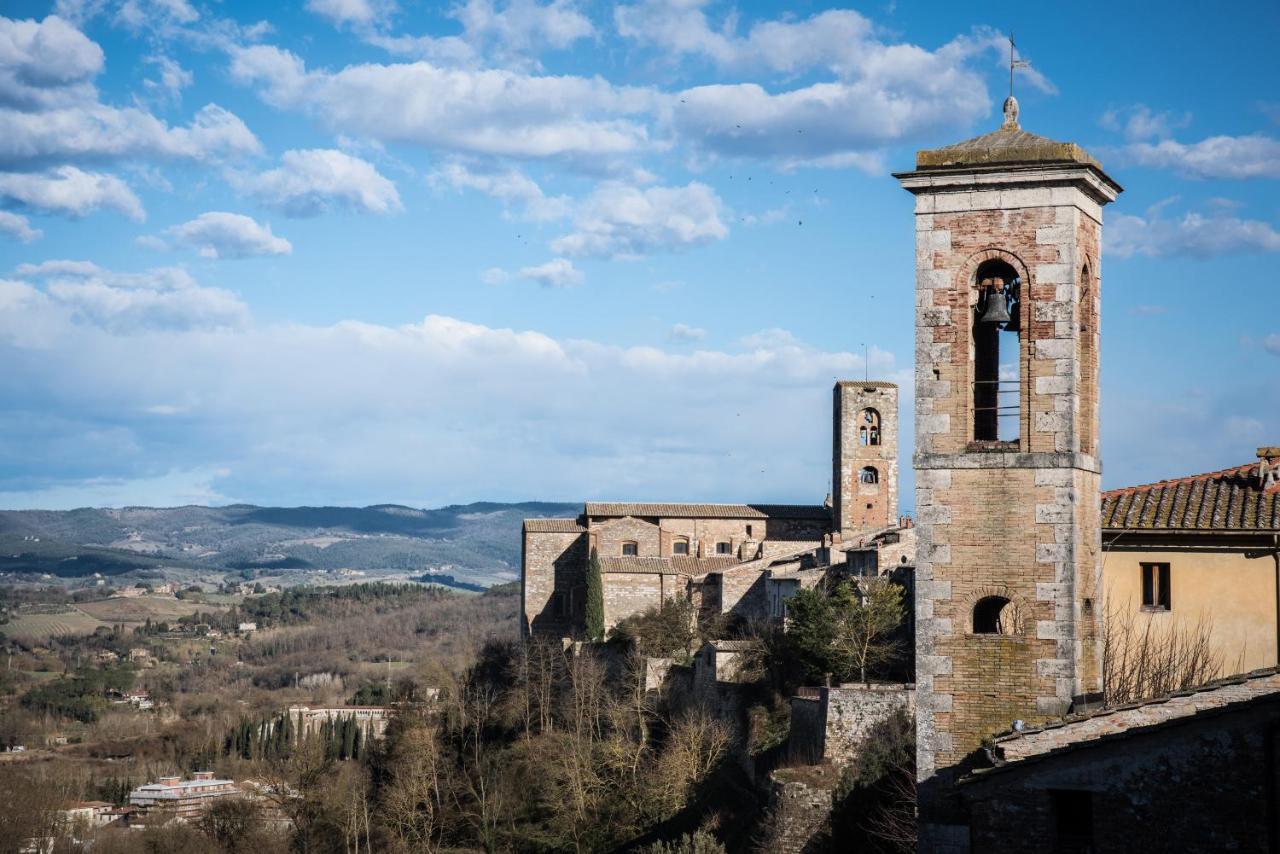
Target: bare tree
[
  {"x": 868, "y": 620},
  {"x": 1150, "y": 655}
]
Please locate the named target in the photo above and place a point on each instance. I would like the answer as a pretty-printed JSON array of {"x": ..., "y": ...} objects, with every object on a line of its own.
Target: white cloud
[
  {"x": 18, "y": 227},
  {"x": 99, "y": 132},
  {"x": 311, "y": 181},
  {"x": 71, "y": 192},
  {"x": 45, "y": 63},
  {"x": 1194, "y": 235},
  {"x": 361, "y": 13},
  {"x": 152, "y": 14},
  {"x": 682, "y": 333},
  {"x": 1240, "y": 157},
  {"x": 163, "y": 298},
  {"x": 489, "y": 112},
  {"x": 510, "y": 186},
  {"x": 171, "y": 77},
  {"x": 1272, "y": 344},
  {"x": 218, "y": 234},
  {"x": 296, "y": 412},
  {"x": 618, "y": 220},
  {"x": 494, "y": 276},
  {"x": 1141, "y": 122},
  {"x": 556, "y": 273}
]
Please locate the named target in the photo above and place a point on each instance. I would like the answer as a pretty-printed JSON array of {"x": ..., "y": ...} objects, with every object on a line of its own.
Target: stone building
[
  {"x": 1008, "y": 234},
  {"x": 1192, "y": 772},
  {"x": 1200, "y": 551},
  {"x": 723, "y": 556}
]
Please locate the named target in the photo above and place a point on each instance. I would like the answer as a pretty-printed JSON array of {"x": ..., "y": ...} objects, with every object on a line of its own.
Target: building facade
[
  {"x": 185, "y": 799},
  {"x": 1199, "y": 554},
  {"x": 864, "y": 476},
  {"x": 1008, "y": 235}
]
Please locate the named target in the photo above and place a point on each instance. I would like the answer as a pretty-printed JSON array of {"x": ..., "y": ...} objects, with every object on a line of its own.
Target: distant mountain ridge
[{"x": 478, "y": 543}]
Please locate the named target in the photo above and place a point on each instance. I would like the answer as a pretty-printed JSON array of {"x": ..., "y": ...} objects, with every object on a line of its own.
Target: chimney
[{"x": 1269, "y": 467}]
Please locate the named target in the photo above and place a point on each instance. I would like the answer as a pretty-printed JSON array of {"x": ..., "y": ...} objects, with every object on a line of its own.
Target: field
[
  {"x": 137, "y": 609},
  {"x": 83, "y": 619},
  {"x": 37, "y": 627}
]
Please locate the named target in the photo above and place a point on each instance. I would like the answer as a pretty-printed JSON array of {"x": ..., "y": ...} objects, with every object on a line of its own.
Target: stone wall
[
  {"x": 608, "y": 537},
  {"x": 849, "y": 714},
  {"x": 553, "y": 582},
  {"x": 627, "y": 593},
  {"x": 808, "y": 731},
  {"x": 800, "y": 802}
]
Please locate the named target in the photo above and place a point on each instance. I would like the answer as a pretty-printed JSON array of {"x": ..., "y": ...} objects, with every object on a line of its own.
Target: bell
[{"x": 997, "y": 308}]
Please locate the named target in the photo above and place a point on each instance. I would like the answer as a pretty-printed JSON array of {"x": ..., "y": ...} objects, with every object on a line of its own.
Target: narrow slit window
[
  {"x": 1156, "y": 590},
  {"x": 997, "y": 352}
]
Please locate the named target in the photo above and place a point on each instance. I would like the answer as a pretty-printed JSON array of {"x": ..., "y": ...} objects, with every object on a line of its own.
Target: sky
[{"x": 368, "y": 251}]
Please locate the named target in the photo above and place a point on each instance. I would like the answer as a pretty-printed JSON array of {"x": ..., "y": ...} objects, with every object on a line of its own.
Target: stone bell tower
[
  {"x": 864, "y": 456},
  {"x": 1008, "y": 232}
]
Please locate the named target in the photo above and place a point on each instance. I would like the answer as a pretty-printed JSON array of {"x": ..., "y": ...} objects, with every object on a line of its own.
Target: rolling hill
[{"x": 478, "y": 543}]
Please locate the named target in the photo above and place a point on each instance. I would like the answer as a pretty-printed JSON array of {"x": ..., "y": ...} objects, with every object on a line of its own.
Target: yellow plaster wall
[{"x": 1237, "y": 593}]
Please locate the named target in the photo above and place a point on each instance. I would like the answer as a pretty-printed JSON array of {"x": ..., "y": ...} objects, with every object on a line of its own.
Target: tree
[
  {"x": 1143, "y": 658},
  {"x": 234, "y": 823},
  {"x": 811, "y": 636},
  {"x": 868, "y": 619},
  {"x": 595, "y": 598}
]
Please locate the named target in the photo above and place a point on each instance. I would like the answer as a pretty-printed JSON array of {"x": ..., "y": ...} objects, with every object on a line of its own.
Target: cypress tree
[{"x": 595, "y": 598}]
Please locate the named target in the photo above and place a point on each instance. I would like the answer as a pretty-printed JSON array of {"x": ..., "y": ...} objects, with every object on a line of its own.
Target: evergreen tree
[{"x": 595, "y": 599}]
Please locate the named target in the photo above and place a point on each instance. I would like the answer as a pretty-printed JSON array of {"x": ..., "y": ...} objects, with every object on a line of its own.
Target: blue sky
[{"x": 369, "y": 251}]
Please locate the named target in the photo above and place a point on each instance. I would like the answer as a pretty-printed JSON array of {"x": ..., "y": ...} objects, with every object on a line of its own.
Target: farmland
[{"x": 83, "y": 619}]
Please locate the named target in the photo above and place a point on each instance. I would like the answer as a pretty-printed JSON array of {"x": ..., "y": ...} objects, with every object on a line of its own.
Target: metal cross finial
[{"x": 1014, "y": 63}]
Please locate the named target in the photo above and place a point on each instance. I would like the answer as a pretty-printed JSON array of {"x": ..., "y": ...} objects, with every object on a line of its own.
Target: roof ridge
[{"x": 1190, "y": 478}]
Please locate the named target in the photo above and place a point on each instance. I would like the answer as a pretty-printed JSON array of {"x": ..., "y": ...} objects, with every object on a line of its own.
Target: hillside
[{"x": 479, "y": 542}]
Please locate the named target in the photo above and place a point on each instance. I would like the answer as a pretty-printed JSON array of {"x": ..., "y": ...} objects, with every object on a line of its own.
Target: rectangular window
[
  {"x": 722, "y": 548},
  {"x": 1155, "y": 587},
  {"x": 680, "y": 547},
  {"x": 1072, "y": 821},
  {"x": 629, "y": 550}
]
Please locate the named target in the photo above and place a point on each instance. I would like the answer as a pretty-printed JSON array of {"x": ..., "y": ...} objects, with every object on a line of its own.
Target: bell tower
[{"x": 1008, "y": 233}]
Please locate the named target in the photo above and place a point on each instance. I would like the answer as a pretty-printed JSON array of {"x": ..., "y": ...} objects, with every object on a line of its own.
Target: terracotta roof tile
[
  {"x": 1229, "y": 500},
  {"x": 708, "y": 511},
  {"x": 674, "y": 565},
  {"x": 553, "y": 526}
]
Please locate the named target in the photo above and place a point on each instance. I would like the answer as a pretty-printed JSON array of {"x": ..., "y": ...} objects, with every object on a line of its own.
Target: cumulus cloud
[
  {"x": 18, "y": 227},
  {"x": 311, "y": 181},
  {"x": 493, "y": 412},
  {"x": 508, "y": 185},
  {"x": 621, "y": 221},
  {"x": 70, "y": 191},
  {"x": 218, "y": 234},
  {"x": 63, "y": 293},
  {"x": 556, "y": 273},
  {"x": 45, "y": 63},
  {"x": 495, "y": 111},
  {"x": 1238, "y": 157},
  {"x": 152, "y": 14},
  {"x": 1193, "y": 235},
  {"x": 171, "y": 78},
  {"x": 100, "y": 132}
]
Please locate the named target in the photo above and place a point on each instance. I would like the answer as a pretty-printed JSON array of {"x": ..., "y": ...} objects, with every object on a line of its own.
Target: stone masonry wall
[
  {"x": 851, "y": 712},
  {"x": 553, "y": 563}
]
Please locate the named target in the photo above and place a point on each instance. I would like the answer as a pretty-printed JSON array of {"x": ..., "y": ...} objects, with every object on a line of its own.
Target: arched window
[
  {"x": 869, "y": 476},
  {"x": 997, "y": 351},
  {"x": 680, "y": 546},
  {"x": 630, "y": 549},
  {"x": 869, "y": 427},
  {"x": 993, "y": 616}
]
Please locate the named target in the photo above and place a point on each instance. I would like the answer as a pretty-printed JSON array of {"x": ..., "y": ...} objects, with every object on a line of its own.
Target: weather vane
[{"x": 1013, "y": 63}]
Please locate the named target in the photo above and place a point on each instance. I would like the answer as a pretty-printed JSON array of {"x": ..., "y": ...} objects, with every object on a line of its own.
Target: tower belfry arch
[{"x": 1006, "y": 447}]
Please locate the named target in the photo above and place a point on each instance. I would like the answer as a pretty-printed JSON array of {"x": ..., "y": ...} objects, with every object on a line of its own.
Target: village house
[{"x": 184, "y": 799}]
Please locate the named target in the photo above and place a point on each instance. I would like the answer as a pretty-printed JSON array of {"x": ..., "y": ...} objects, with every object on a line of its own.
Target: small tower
[
  {"x": 1008, "y": 233},
  {"x": 864, "y": 476}
]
